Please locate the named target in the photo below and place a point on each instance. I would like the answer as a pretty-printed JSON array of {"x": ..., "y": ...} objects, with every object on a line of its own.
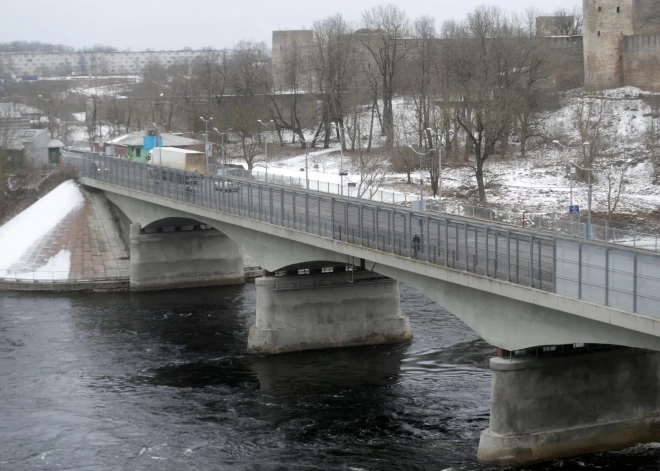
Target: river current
[{"x": 162, "y": 381}]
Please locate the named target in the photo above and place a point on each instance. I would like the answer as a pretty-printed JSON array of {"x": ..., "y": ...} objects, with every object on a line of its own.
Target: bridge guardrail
[
  {"x": 527, "y": 220},
  {"x": 623, "y": 277}
]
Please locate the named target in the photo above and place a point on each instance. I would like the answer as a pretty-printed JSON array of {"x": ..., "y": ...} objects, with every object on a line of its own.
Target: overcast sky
[{"x": 170, "y": 24}]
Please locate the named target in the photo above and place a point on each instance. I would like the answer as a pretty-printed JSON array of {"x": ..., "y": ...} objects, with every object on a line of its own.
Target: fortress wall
[
  {"x": 646, "y": 16},
  {"x": 567, "y": 58},
  {"x": 641, "y": 64}
]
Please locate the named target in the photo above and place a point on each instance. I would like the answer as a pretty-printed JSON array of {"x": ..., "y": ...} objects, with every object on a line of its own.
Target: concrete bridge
[{"x": 558, "y": 310}]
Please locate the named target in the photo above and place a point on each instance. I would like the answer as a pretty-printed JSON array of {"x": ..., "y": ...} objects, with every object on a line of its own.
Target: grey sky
[{"x": 170, "y": 24}]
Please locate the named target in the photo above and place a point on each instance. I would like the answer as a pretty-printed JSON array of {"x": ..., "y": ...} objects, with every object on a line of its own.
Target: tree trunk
[{"x": 480, "y": 180}]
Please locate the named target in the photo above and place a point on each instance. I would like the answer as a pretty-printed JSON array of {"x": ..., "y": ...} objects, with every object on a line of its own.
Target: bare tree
[
  {"x": 372, "y": 169},
  {"x": 486, "y": 71},
  {"x": 589, "y": 115},
  {"x": 385, "y": 39},
  {"x": 288, "y": 102},
  {"x": 564, "y": 22},
  {"x": 615, "y": 189},
  {"x": 7, "y": 136},
  {"x": 333, "y": 65}
]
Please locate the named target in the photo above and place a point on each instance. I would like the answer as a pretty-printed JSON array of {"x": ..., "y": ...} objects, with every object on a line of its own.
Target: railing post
[
  {"x": 332, "y": 216},
  {"x": 531, "y": 260},
  {"x": 486, "y": 272},
  {"x": 508, "y": 255}
]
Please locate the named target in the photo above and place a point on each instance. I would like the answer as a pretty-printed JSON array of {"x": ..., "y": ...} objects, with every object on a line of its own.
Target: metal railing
[
  {"x": 626, "y": 278},
  {"x": 526, "y": 220}
]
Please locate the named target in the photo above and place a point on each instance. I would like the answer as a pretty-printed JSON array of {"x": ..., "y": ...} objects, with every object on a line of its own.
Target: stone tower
[
  {"x": 606, "y": 22},
  {"x": 288, "y": 45}
]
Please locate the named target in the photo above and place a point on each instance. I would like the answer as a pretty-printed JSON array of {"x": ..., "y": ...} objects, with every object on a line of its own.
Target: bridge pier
[
  {"x": 185, "y": 259},
  {"x": 313, "y": 312},
  {"x": 550, "y": 408}
]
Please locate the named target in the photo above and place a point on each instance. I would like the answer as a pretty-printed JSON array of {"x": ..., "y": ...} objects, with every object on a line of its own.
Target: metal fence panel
[
  {"x": 648, "y": 285},
  {"x": 593, "y": 273},
  {"x": 568, "y": 268},
  {"x": 621, "y": 279}
]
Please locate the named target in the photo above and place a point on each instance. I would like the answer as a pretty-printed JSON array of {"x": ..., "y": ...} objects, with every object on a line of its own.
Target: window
[
  {"x": 600, "y": 8},
  {"x": 598, "y": 33},
  {"x": 618, "y": 9}
]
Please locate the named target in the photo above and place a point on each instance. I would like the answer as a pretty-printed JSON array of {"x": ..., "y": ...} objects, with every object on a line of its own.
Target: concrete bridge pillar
[
  {"x": 544, "y": 409},
  {"x": 312, "y": 312},
  {"x": 185, "y": 259}
]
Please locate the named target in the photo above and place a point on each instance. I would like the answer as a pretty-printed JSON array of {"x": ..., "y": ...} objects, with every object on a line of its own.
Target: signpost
[{"x": 574, "y": 209}]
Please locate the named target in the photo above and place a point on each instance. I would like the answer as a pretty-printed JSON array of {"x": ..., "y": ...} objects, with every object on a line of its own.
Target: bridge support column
[
  {"x": 306, "y": 313},
  {"x": 186, "y": 259},
  {"x": 566, "y": 406}
]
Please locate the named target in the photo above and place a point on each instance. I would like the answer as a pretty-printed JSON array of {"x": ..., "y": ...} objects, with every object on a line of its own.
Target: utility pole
[
  {"x": 206, "y": 140},
  {"x": 48, "y": 101},
  {"x": 265, "y": 125},
  {"x": 421, "y": 176},
  {"x": 223, "y": 160},
  {"x": 342, "y": 173}
]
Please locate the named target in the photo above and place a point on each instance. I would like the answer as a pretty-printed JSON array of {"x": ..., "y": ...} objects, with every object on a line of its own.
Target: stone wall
[
  {"x": 567, "y": 61},
  {"x": 646, "y": 16},
  {"x": 641, "y": 64}
]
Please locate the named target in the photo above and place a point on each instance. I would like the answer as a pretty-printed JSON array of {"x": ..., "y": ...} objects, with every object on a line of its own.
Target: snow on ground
[
  {"x": 22, "y": 232},
  {"x": 57, "y": 268},
  {"x": 538, "y": 183}
]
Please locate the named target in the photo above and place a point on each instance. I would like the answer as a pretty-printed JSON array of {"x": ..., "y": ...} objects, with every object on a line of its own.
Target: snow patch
[{"x": 19, "y": 234}]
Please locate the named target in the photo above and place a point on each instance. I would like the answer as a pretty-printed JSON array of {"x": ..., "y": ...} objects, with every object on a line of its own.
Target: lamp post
[
  {"x": 160, "y": 146},
  {"x": 589, "y": 200},
  {"x": 342, "y": 173},
  {"x": 223, "y": 160},
  {"x": 48, "y": 101},
  {"x": 421, "y": 176},
  {"x": 265, "y": 125},
  {"x": 206, "y": 140}
]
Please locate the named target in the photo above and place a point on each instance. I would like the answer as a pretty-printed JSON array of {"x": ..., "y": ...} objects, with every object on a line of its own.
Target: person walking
[{"x": 416, "y": 245}]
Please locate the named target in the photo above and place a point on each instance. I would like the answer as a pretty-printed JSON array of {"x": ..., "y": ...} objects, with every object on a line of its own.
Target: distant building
[
  {"x": 132, "y": 145},
  {"x": 29, "y": 147}
]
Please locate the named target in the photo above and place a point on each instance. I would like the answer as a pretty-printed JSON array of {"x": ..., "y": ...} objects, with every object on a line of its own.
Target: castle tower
[
  {"x": 606, "y": 22},
  {"x": 288, "y": 47}
]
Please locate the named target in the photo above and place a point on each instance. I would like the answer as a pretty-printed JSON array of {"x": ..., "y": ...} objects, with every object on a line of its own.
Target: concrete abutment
[
  {"x": 297, "y": 313},
  {"x": 185, "y": 259},
  {"x": 550, "y": 408}
]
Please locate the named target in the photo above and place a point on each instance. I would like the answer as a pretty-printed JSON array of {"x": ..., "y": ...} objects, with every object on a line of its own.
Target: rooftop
[{"x": 169, "y": 140}]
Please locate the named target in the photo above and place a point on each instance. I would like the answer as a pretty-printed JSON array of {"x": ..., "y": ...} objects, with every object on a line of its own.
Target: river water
[{"x": 161, "y": 381}]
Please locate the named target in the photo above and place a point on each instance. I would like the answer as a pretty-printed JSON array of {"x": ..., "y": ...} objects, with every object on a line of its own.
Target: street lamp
[
  {"x": 342, "y": 173},
  {"x": 572, "y": 172},
  {"x": 589, "y": 201},
  {"x": 421, "y": 176},
  {"x": 206, "y": 140},
  {"x": 222, "y": 147},
  {"x": 265, "y": 125},
  {"x": 49, "y": 101},
  {"x": 160, "y": 145}
]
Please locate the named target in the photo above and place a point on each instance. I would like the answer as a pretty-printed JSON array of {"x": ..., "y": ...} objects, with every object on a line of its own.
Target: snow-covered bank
[{"x": 22, "y": 233}]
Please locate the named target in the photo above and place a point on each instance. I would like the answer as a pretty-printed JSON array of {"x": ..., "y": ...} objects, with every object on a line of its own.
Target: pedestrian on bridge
[{"x": 416, "y": 244}]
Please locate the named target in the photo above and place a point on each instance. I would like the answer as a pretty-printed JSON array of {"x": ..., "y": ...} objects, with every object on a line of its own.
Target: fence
[
  {"x": 525, "y": 220},
  {"x": 518, "y": 256}
]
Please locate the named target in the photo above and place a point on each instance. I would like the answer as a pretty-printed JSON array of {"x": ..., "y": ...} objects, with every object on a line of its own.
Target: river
[{"x": 161, "y": 381}]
